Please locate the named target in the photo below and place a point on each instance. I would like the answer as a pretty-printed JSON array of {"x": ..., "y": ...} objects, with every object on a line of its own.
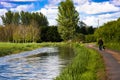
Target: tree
[
  {"x": 2, "y": 34},
  {"x": 67, "y": 20},
  {"x": 109, "y": 31},
  {"x": 7, "y": 19},
  {"x": 83, "y": 30},
  {"x": 82, "y": 24},
  {"x": 25, "y": 18},
  {"x": 16, "y": 19},
  {"x": 28, "y": 26},
  {"x": 40, "y": 19},
  {"x": 52, "y": 34},
  {"x": 90, "y": 30}
]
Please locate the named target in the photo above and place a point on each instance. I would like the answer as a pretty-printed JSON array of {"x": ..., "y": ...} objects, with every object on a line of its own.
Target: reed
[{"x": 87, "y": 65}]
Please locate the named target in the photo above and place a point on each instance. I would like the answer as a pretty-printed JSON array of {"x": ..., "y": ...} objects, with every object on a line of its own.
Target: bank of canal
[{"x": 40, "y": 64}]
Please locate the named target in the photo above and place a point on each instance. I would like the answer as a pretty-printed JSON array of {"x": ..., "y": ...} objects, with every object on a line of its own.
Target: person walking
[{"x": 100, "y": 43}]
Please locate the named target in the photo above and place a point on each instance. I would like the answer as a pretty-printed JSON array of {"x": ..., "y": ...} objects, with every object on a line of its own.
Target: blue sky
[{"x": 90, "y": 10}]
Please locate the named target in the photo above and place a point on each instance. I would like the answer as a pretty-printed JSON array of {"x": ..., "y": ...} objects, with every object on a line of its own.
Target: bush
[
  {"x": 79, "y": 37},
  {"x": 90, "y": 38}
]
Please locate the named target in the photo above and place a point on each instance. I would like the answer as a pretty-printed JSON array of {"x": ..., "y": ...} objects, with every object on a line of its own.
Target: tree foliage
[
  {"x": 109, "y": 31},
  {"x": 50, "y": 34},
  {"x": 24, "y": 18},
  {"x": 7, "y": 19},
  {"x": 16, "y": 19},
  {"x": 26, "y": 34},
  {"x": 67, "y": 20},
  {"x": 85, "y": 29},
  {"x": 22, "y": 27}
]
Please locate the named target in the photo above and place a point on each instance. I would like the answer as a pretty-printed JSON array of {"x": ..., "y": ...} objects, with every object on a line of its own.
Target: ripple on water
[{"x": 40, "y": 64}]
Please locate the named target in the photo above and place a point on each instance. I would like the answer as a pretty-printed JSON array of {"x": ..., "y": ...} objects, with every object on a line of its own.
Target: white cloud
[
  {"x": 1, "y": 21},
  {"x": 23, "y": 8},
  {"x": 96, "y": 8},
  {"x": 54, "y": 2},
  {"x": 2, "y": 12},
  {"x": 116, "y": 2},
  {"x": 5, "y": 4},
  {"x": 91, "y": 20},
  {"x": 18, "y": 8},
  {"x": 51, "y": 11},
  {"x": 80, "y": 2},
  {"x": 25, "y": 0},
  {"x": 84, "y": 7},
  {"x": 104, "y": 18},
  {"x": 51, "y": 14},
  {"x": 90, "y": 13}
]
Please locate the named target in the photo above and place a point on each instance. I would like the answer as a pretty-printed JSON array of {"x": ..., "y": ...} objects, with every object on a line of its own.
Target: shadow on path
[{"x": 112, "y": 62}]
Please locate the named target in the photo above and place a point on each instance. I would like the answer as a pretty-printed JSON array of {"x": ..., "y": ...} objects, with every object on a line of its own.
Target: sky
[{"x": 92, "y": 12}]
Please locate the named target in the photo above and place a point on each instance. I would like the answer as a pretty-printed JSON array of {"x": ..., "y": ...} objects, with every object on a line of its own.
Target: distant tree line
[
  {"x": 24, "y": 18},
  {"x": 27, "y": 27},
  {"x": 33, "y": 27}
]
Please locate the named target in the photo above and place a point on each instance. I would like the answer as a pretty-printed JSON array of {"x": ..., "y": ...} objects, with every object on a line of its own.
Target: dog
[{"x": 103, "y": 47}]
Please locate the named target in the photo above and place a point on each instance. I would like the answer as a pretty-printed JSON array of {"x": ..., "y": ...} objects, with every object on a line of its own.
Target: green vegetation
[
  {"x": 113, "y": 45},
  {"x": 27, "y": 27},
  {"x": 87, "y": 65},
  {"x": 21, "y": 28},
  {"x": 24, "y": 27},
  {"x": 90, "y": 38},
  {"x": 11, "y": 48},
  {"x": 24, "y": 18},
  {"x": 110, "y": 33},
  {"x": 50, "y": 34},
  {"x": 69, "y": 26},
  {"x": 67, "y": 20}
]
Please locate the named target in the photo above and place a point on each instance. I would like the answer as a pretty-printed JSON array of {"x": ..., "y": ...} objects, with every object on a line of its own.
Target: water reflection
[{"x": 43, "y": 66}]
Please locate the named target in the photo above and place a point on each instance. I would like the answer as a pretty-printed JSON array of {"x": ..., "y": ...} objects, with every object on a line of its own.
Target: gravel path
[{"x": 112, "y": 62}]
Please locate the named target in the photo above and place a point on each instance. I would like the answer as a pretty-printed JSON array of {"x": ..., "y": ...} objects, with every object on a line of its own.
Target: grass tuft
[{"x": 85, "y": 66}]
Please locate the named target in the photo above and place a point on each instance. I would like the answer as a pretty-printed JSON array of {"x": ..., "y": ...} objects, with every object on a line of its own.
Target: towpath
[{"x": 112, "y": 62}]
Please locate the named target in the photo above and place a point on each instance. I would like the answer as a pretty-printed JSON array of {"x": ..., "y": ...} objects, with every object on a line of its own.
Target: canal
[{"x": 40, "y": 64}]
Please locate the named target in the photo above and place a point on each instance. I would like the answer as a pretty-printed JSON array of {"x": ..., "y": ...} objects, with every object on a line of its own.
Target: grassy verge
[
  {"x": 113, "y": 46},
  {"x": 87, "y": 65},
  {"x": 12, "y": 48}
]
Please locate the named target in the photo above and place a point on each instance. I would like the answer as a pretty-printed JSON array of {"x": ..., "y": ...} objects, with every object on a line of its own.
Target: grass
[
  {"x": 113, "y": 45},
  {"x": 12, "y": 48},
  {"x": 87, "y": 65}
]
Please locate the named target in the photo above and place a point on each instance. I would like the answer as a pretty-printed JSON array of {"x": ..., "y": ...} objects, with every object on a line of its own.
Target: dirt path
[{"x": 112, "y": 62}]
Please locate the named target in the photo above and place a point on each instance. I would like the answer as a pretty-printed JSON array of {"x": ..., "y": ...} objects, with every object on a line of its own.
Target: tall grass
[
  {"x": 113, "y": 45},
  {"x": 87, "y": 65},
  {"x": 11, "y": 48}
]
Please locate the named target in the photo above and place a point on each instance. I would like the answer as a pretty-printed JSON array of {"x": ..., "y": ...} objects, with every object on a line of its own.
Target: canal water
[{"x": 40, "y": 64}]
